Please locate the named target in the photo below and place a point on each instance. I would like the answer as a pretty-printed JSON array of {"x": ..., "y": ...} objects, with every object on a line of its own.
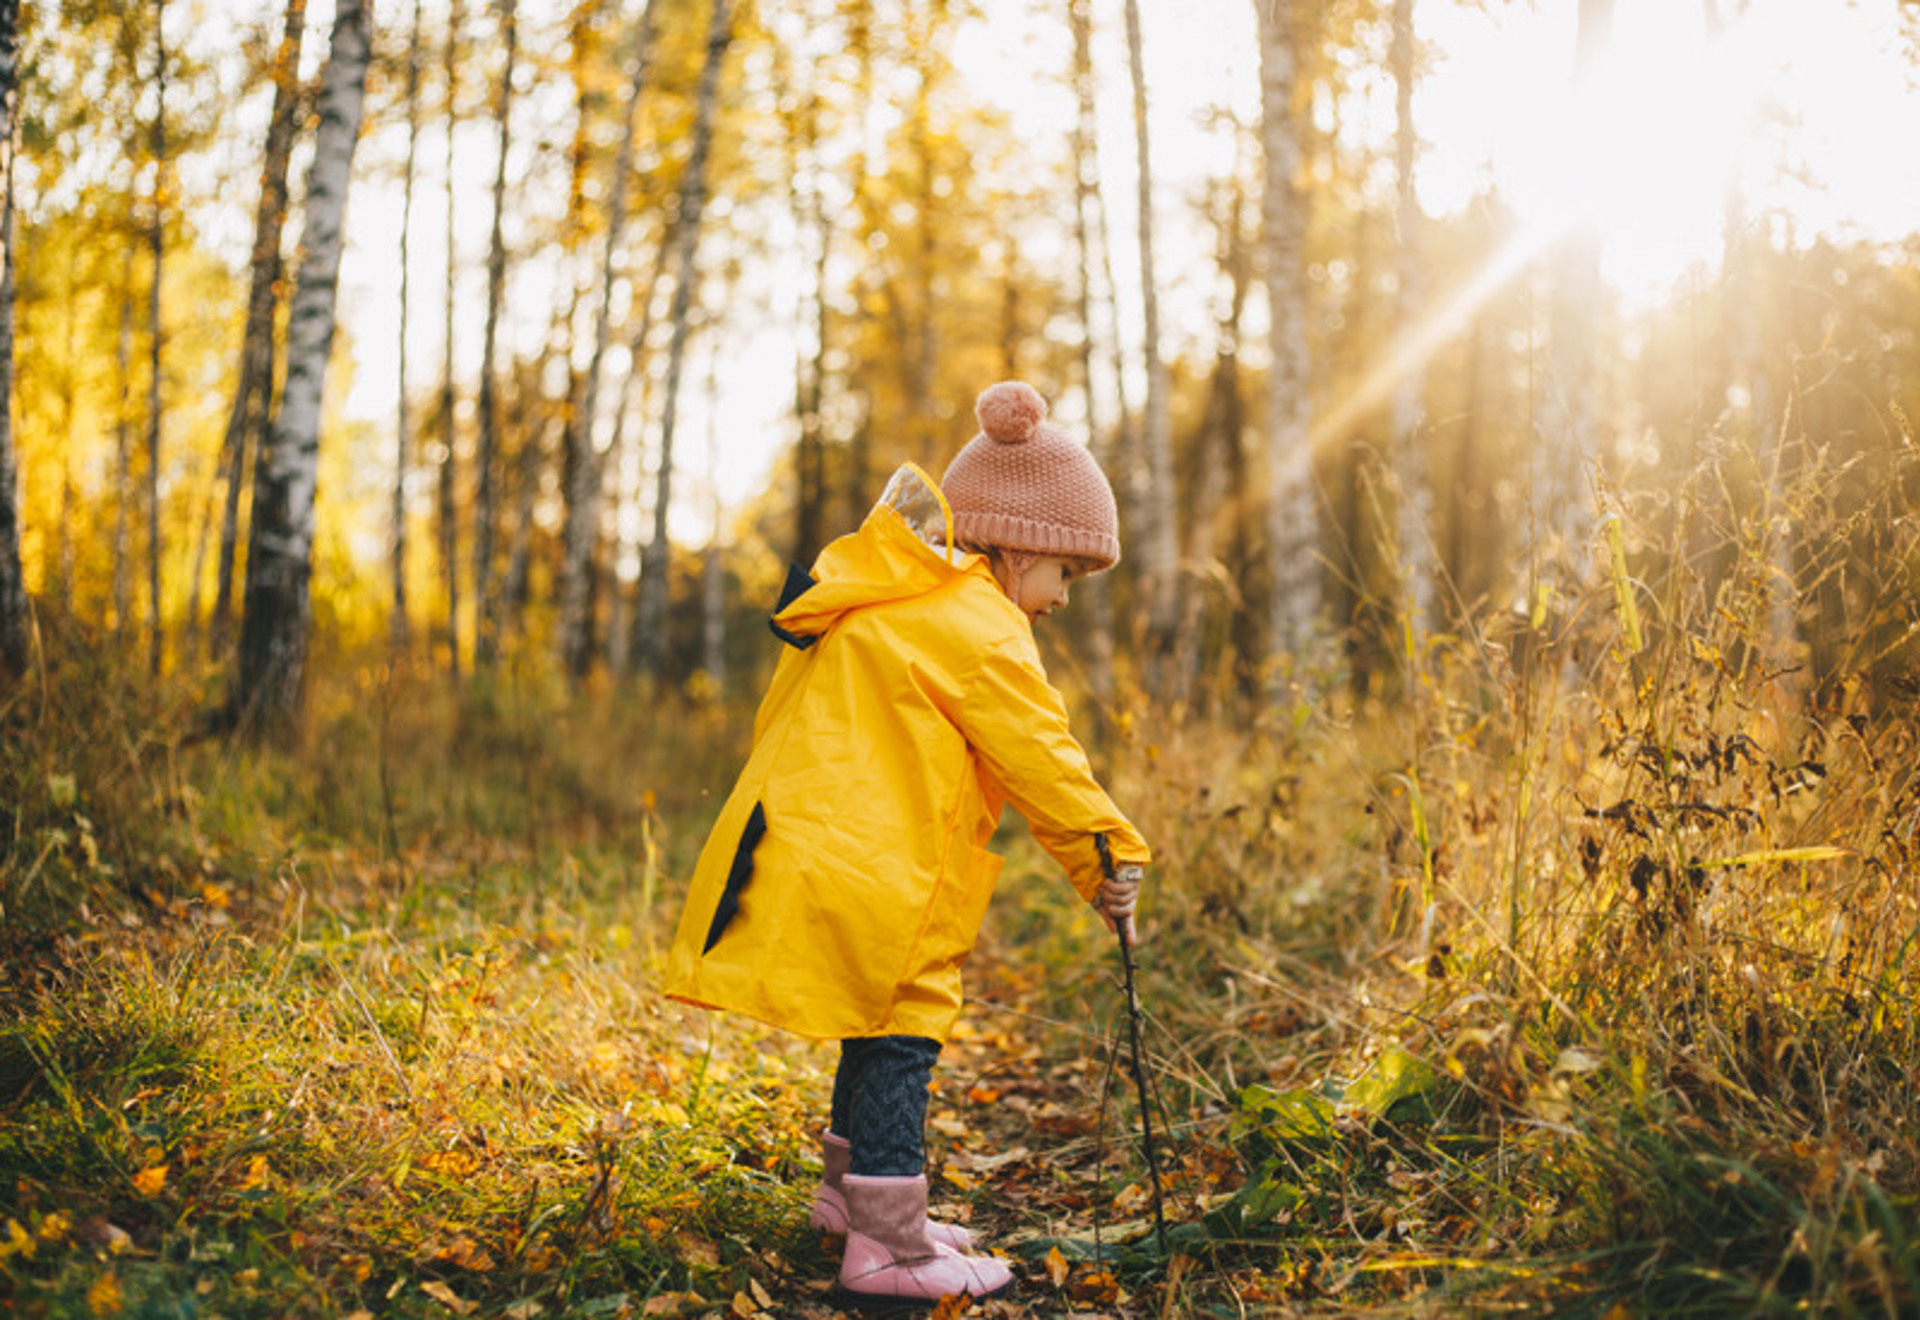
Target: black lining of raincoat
[
  {"x": 798, "y": 583},
  {"x": 737, "y": 876}
]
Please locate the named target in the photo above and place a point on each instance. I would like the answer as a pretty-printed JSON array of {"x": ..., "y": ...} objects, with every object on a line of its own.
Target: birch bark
[{"x": 278, "y": 604}]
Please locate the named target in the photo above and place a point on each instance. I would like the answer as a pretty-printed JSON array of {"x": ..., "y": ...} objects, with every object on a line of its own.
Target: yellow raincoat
[{"x": 845, "y": 880}]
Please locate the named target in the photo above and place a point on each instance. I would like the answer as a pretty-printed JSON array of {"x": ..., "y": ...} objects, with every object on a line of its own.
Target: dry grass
[{"x": 1581, "y": 972}]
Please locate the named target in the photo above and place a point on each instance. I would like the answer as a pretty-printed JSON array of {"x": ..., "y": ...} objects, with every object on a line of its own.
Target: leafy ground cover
[{"x": 1577, "y": 974}]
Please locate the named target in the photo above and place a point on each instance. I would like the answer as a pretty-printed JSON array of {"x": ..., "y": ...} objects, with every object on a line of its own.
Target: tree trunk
[
  {"x": 1750, "y": 394},
  {"x": 278, "y": 614},
  {"x": 123, "y": 458},
  {"x": 1160, "y": 560},
  {"x": 921, "y": 353},
  {"x": 713, "y": 572},
  {"x": 583, "y": 506},
  {"x": 860, "y": 38},
  {"x": 156, "y": 339},
  {"x": 253, "y": 396},
  {"x": 1415, "y": 521},
  {"x": 449, "y": 511},
  {"x": 654, "y": 579},
  {"x": 812, "y": 224},
  {"x": 402, "y": 420},
  {"x": 1292, "y": 514},
  {"x": 1569, "y": 410},
  {"x": 1086, "y": 171},
  {"x": 1211, "y": 459},
  {"x": 15, "y": 622},
  {"x": 629, "y": 644},
  {"x": 486, "y": 459}
]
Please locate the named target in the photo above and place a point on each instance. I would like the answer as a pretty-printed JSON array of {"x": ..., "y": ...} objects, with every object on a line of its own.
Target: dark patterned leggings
[{"x": 880, "y": 1103}]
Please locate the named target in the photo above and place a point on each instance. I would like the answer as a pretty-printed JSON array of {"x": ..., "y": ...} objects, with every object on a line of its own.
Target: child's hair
[{"x": 1022, "y": 486}]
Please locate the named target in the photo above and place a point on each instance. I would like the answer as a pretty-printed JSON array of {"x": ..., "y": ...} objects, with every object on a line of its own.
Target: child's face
[{"x": 1043, "y": 587}]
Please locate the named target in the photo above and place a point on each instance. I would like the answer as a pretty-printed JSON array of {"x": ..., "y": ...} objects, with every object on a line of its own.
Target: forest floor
[
  {"x": 375, "y": 1029},
  {"x": 459, "y": 1093}
]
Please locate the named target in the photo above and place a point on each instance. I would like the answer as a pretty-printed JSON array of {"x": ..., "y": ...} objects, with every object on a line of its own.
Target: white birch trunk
[
  {"x": 486, "y": 459},
  {"x": 156, "y": 337},
  {"x": 1293, "y": 535},
  {"x": 654, "y": 580},
  {"x": 1569, "y": 409},
  {"x": 15, "y": 621},
  {"x": 1160, "y": 560},
  {"x": 1415, "y": 514},
  {"x": 449, "y": 398},
  {"x": 402, "y": 420},
  {"x": 253, "y": 395},
  {"x": 278, "y": 609},
  {"x": 1086, "y": 170},
  {"x": 583, "y": 506}
]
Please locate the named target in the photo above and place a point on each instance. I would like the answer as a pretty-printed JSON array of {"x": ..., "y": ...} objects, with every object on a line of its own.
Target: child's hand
[{"x": 1116, "y": 899}]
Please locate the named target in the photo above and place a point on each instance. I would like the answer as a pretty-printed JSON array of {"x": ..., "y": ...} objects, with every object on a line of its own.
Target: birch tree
[
  {"x": 15, "y": 623},
  {"x": 1415, "y": 534},
  {"x": 1569, "y": 410},
  {"x": 813, "y": 226},
  {"x": 123, "y": 453},
  {"x": 156, "y": 338},
  {"x": 654, "y": 579},
  {"x": 1750, "y": 391},
  {"x": 402, "y": 420},
  {"x": 278, "y": 605},
  {"x": 449, "y": 510},
  {"x": 1161, "y": 561},
  {"x": 253, "y": 395},
  {"x": 486, "y": 458},
  {"x": 1292, "y": 513},
  {"x": 583, "y": 520},
  {"x": 1086, "y": 172}
]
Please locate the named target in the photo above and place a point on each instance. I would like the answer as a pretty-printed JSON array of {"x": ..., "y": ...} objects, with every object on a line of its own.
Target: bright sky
[{"x": 1810, "y": 107}]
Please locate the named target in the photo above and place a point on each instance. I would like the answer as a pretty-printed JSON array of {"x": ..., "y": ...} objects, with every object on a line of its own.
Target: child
[{"x": 846, "y": 877}]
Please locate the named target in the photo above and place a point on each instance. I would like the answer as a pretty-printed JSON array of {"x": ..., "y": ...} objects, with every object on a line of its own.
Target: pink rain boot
[
  {"x": 830, "y": 1198},
  {"x": 890, "y": 1259}
]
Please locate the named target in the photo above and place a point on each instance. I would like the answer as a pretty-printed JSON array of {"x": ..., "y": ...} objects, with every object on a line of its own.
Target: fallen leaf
[
  {"x": 699, "y": 1252},
  {"x": 952, "y": 1307},
  {"x": 447, "y": 1297},
  {"x": 1056, "y": 1267},
  {"x": 149, "y": 1181},
  {"x": 760, "y": 1295},
  {"x": 743, "y": 1306},
  {"x": 104, "y": 1297},
  {"x": 1098, "y": 1287}
]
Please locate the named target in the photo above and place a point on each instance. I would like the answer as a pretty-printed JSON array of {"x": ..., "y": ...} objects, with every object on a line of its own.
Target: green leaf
[
  {"x": 1395, "y": 1076},
  {"x": 1296, "y": 1114}
]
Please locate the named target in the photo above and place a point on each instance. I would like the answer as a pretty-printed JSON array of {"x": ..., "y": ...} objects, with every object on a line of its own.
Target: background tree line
[{"x": 1391, "y": 429}]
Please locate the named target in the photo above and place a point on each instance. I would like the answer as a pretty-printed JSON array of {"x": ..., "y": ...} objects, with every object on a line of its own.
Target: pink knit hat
[{"x": 1023, "y": 485}]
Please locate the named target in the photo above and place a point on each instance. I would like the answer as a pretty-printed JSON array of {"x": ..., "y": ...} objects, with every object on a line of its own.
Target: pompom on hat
[{"x": 1023, "y": 485}]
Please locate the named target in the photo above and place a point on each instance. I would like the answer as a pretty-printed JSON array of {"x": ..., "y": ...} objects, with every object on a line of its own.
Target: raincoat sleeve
[{"x": 1016, "y": 722}]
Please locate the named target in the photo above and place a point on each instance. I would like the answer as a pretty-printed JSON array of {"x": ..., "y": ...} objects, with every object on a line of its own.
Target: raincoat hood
[{"x": 904, "y": 549}]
